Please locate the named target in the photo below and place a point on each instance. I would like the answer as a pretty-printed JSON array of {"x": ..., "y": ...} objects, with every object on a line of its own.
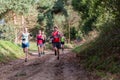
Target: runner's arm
[
  {"x": 30, "y": 36},
  {"x": 19, "y": 38},
  {"x": 59, "y": 34}
]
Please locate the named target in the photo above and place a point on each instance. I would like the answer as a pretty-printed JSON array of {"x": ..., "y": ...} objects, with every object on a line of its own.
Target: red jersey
[
  {"x": 56, "y": 37},
  {"x": 39, "y": 39}
]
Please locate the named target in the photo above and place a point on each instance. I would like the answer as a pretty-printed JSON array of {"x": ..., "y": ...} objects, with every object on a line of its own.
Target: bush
[
  {"x": 102, "y": 53},
  {"x": 7, "y": 32}
]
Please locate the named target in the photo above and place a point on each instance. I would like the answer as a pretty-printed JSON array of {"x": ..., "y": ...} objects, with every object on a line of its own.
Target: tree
[{"x": 10, "y": 9}]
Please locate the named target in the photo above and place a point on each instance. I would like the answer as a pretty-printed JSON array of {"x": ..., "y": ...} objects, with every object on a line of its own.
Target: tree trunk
[
  {"x": 23, "y": 21},
  {"x": 69, "y": 31},
  {"x": 16, "y": 36},
  {"x": 15, "y": 23},
  {"x": 14, "y": 18}
]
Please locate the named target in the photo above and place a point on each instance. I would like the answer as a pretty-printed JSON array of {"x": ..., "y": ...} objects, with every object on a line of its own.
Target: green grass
[
  {"x": 9, "y": 51},
  {"x": 33, "y": 46},
  {"x": 102, "y": 53},
  {"x": 69, "y": 45}
]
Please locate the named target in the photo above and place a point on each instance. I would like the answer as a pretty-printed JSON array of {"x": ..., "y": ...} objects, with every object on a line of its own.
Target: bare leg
[
  {"x": 39, "y": 51},
  {"x": 62, "y": 47},
  {"x": 55, "y": 49},
  {"x": 42, "y": 48},
  {"x": 25, "y": 50},
  {"x": 58, "y": 53}
]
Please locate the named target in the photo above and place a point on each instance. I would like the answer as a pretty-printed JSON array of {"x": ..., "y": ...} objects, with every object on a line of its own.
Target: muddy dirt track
[{"x": 46, "y": 67}]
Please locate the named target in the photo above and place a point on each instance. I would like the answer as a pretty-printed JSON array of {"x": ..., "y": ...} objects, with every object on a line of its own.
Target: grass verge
[
  {"x": 102, "y": 53},
  {"x": 9, "y": 51}
]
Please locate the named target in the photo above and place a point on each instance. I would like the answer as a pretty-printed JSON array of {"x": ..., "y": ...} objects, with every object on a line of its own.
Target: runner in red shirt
[
  {"x": 40, "y": 45},
  {"x": 56, "y": 41}
]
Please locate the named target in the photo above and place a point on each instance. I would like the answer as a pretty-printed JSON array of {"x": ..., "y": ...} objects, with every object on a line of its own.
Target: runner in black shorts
[{"x": 56, "y": 41}]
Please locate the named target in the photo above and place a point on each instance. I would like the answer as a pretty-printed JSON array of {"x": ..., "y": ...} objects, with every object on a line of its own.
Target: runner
[
  {"x": 44, "y": 36},
  {"x": 25, "y": 42},
  {"x": 40, "y": 39},
  {"x": 62, "y": 41},
  {"x": 56, "y": 41}
]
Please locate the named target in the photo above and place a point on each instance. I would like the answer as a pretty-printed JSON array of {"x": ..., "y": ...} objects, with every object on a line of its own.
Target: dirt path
[{"x": 46, "y": 67}]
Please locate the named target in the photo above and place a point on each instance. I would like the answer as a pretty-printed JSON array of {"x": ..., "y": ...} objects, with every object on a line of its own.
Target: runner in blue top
[{"x": 25, "y": 42}]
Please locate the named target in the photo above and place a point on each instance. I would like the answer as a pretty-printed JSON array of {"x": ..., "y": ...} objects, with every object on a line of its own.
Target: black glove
[{"x": 31, "y": 35}]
